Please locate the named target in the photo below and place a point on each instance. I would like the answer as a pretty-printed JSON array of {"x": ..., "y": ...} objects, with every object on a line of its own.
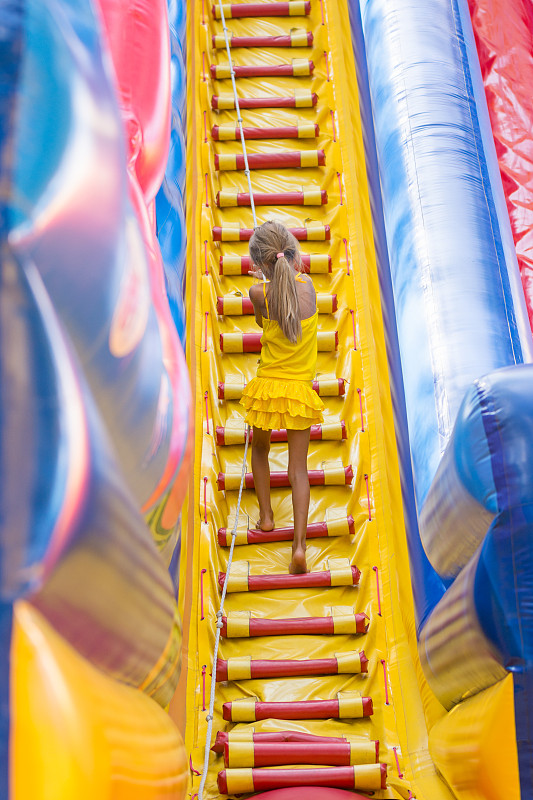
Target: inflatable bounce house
[{"x": 154, "y": 645}]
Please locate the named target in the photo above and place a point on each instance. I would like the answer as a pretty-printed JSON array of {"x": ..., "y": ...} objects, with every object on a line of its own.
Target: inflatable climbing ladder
[{"x": 316, "y": 674}]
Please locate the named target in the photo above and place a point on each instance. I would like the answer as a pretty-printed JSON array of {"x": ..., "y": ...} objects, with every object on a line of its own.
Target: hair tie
[{"x": 280, "y": 255}]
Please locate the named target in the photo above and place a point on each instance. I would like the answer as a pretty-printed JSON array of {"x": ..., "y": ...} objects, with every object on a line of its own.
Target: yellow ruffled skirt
[{"x": 274, "y": 403}]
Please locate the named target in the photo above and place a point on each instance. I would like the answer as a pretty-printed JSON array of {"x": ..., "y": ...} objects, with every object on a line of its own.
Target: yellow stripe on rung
[
  {"x": 348, "y": 663},
  {"x": 241, "y": 735},
  {"x": 233, "y": 343},
  {"x": 234, "y": 434},
  {"x": 226, "y": 132},
  {"x": 309, "y": 158},
  {"x": 222, "y": 71},
  {"x": 239, "y": 669},
  {"x": 227, "y": 198},
  {"x": 243, "y": 711},
  {"x": 232, "y": 305},
  {"x": 350, "y": 707},
  {"x": 306, "y": 130},
  {"x": 297, "y": 8},
  {"x": 237, "y": 626},
  {"x": 300, "y": 66},
  {"x": 239, "y": 781},
  {"x": 241, "y": 754},
  {"x": 232, "y": 480},
  {"x": 331, "y": 431},
  {"x": 334, "y": 476},
  {"x": 367, "y": 777},
  {"x": 312, "y": 197},
  {"x": 226, "y": 101},
  {"x": 341, "y": 576},
  {"x": 227, "y": 161},
  {"x": 328, "y": 387},
  {"x": 338, "y": 527},
  {"x": 233, "y": 391},
  {"x": 343, "y": 623},
  {"x": 326, "y": 341},
  {"x": 303, "y": 99},
  {"x": 227, "y": 11},
  {"x": 220, "y": 41},
  {"x": 316, "y": 232},
  {"x": 237, "y": 583},
  {"x": 319, "y": 263},
  {"x": 231, "y": 265},
  {"x": 299, "y": 38},
  {"x": 362, "y": 753},
  {"x": 324, "y": 303}
]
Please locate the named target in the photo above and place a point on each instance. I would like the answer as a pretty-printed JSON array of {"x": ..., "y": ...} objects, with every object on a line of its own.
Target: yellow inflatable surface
[{"x": 357, "y": 367}]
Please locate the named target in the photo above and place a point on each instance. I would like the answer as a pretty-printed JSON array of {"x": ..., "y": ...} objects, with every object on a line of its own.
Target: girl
[{"x": 281, "y": 396}]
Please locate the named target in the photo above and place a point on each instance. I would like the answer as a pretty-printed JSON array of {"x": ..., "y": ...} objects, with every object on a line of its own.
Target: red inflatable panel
[
  {"x": 268, "y": 102},
  {"x": 271, "y": 160},
  {"x": 236, "y": 10},
  {"x": 504, "y": 36},
  {"x": 273, "y": 199},
  {"x": 308, "y": 580},
  {"x": 317, "y": 477},
  {"x": 276, "y": 668},
  {"x": 299, "y": 709},
  {"x": 340, "y": 777},
  {"x": 223, "y": 738},
  {"x": 137, "y": 34},
  {"x": 314, "y": 531},
  {"x": 246, "y": 264},
  {"x": 218, "y": 71},
  {"x": 296, "y": 625},
  {"x": 245, "y": 234},
  {"x": 287, "y": 132},
  {"x": 263, "y": 41}
]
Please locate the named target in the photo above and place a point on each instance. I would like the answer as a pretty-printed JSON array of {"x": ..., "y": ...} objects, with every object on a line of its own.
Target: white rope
[{"x": 220, "y": 612}]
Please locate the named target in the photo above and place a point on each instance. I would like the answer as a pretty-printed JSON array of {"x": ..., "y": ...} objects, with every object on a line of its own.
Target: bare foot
[
  {"x": 265, "y": 523},
  {"x": 298, "y": 565}
]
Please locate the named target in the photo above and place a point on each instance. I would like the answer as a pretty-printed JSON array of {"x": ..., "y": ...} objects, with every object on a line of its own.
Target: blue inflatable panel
[
  {"x": 453, "y": 277},
  {"x": 69, "y": 212}
]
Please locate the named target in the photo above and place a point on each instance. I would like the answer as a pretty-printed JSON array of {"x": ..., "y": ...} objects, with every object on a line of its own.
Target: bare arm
[{"x": 256, "y": 296}]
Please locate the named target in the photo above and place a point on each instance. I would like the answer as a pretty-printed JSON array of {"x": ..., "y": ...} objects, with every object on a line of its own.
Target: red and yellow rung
[
  {"x": 243, "y": 626},
  {"x": 239, "y": 305},
  {"x": 298, "y": 37},
  {"x": 292, "y": 8},
  {"x": 363, "y": 777},
  {"x": 229, "y": 198},
  {"x": 284, "y": 737},
  {"x": 250, "y": 710},
  {"x": 297, "y": 67},
  {"x": 330, "y": 476},
  {"x": 343, "y": 526},
  {"x": 301, "y": 98},
  {"x": 231, "y": 232},
  {"x": 240, "y": 580},
  {"x": 324, "y": 387},
  {"x": 304, "y": 130},
  {"x": 288, "y": 158},
  {"x": 240, "y": 265},
  {"x": 243, "y": 668},
  {"x": 236, "y": 433},
  {"x": 327, "y": 342},
  {"x": 276, "y": 754}
]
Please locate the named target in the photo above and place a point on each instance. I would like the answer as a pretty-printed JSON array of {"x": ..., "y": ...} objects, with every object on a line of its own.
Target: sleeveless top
[{"x": 281, "y": 358}]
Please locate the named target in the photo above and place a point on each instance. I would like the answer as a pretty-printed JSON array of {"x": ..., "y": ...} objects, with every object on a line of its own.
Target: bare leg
[
  {"x": 261, "y": 473},
  {"x": 298, "y": 447}
]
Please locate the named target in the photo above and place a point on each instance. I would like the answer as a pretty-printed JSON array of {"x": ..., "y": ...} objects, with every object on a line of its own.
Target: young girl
[{"x": 281, "y": 396}]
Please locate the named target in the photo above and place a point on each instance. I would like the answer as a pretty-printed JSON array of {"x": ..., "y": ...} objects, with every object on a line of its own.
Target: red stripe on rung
[{"x": 260, "y": 9}]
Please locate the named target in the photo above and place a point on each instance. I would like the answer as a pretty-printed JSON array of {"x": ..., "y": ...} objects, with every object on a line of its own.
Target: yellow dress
[{"x": 281, "y": 396}]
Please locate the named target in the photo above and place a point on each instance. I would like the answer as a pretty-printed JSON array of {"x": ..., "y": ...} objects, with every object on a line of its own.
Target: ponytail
[
  {"x": 276, "y": 251},
  {"x": 283, "y": 299}
]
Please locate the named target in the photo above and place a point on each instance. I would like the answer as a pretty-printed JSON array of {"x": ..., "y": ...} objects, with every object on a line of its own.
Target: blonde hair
[{"x": 266, "y": 243}]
